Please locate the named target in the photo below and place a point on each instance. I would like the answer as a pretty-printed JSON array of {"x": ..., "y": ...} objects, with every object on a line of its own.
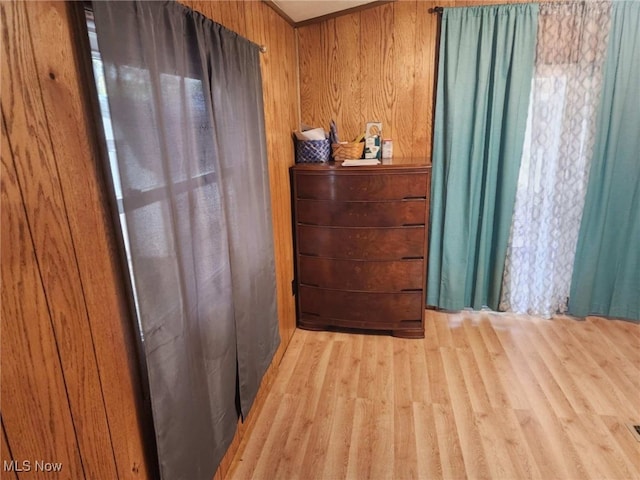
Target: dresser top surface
[{"x": 397, "y": 165}]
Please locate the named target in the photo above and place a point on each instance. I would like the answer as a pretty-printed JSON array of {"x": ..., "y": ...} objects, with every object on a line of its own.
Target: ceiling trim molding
[
  {"x": 328, "y": 16},
  {"x": 280, "y": 12}
]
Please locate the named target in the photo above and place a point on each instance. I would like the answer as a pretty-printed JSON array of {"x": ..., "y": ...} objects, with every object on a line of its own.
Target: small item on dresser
[
  {"x": 361, "y": 162},
  {"x": 387, "y": 148},
  {"x": 333, "y": 133},
  {"x": 347, "y": 150},
  {"x": 372, "y": 147}
]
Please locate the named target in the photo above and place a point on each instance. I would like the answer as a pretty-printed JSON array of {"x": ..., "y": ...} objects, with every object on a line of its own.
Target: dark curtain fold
[
  {"x": 185, "y": 102},
  {"x": 484, "y": 78},
  {"x": 606, "y": 275}
]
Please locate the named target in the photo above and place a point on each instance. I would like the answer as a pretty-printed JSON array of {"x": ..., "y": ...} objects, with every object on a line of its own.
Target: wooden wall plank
[
  {"x": 47, "y": 216},
  {"x": 81, "y": 178},
  {"x": 281, "y": 93},
  {"x": 311, "y": 67},
  {"x": 329, "y": 76},
  {"x": 425, "y": 67},
  {"x": 348, "y": 72},
  {"x": 393, "y": 72},
  {"x": 404, "y": 80},
  {"x": 35, "y": 408},
  {"x": 375, "y": 44},
  {"x": 389, "y": 94},
  {"x": 225, "y": 12},
  {"x": 5, "y": 456}
]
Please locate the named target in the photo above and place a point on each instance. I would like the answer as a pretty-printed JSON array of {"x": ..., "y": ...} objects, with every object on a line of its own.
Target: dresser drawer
[
  {"x": 359, "y": 306},
  {"x": 361, "y": 214},
  {"x": 362, "y": 243},
  {"x": 380, "y": 276},
  {"x": 345, "y": 187}
]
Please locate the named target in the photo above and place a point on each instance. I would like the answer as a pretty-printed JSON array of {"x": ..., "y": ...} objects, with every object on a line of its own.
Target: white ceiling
[{"x": 300, "y": 10}]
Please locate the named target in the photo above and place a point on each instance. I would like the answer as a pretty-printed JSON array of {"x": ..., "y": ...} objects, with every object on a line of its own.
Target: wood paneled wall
[
  {"x": 374, "y": 65},
  {"x": 70, "y": 387}
]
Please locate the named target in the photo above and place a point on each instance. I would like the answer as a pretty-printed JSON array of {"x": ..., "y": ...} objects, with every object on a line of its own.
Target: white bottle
[{"x": 387, "y": 148}]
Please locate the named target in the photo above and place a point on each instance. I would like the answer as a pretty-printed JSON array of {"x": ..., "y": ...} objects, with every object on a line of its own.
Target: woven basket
[
  {"x": 346, "y": 151},
  {"x": 313, "y": 151}
]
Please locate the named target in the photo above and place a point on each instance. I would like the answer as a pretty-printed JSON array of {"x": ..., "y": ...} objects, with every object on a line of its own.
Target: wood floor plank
[
  {"x": 288, "y": 364},
  {"x": 420, "y": 385},
  {"x": 508, "y": 379},
  {"x": 582, "y": 368},
  {"x": 437, "y": 378},
  {"x": 625, "y": 441},
  {"x": 590, "y": 448},
  {"x": 428, "y": 459},
  {"x": 516, "y": 445},
  {"x": 244, "y": 466},
  {"x": 369, "y": 406},
  {"x": 622, "y": 391},
  {"x": 493, "y": 440},
  {"x": 349, "y": 371},
  {"x": 339, "y": 447},
  {"x": 546, "y": 457},
  {"x": 555, "y": 381},
  {"x": 318, "y": 444},
  {"x": 368, "y": 368},
  {"x": 287, "y": 406},
  {"x": 473, "y": 381},
  {"x": 405, "y": 453},
  {"x": 495, "y": 390},
  {"x": 451, "y": 457},
  {"x": 473, "y": 454}
]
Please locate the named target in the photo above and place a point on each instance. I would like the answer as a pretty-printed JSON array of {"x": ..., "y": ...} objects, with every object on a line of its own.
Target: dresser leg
[
  {"x": 311, "y": 326},
  {"x": 419, "y": 333}
]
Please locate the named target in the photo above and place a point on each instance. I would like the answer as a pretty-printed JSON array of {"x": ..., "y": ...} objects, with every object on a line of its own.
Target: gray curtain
[{"x": 185, "y": 106}]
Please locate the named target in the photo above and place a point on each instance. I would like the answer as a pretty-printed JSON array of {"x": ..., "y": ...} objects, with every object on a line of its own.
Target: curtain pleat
[
  {"x": 606, "y": 275},
  {"x": 484, "y": 78},
  {"x": 185, "y": 102}
]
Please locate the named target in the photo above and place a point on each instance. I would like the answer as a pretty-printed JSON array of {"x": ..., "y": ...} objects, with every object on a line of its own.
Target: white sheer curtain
[{"x": 572, "y": 41}]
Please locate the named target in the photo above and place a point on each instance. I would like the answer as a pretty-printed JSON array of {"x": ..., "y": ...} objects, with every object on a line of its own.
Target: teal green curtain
[
  {"x": 606, "y": 273},
  {"x": 484, "y": 80}
]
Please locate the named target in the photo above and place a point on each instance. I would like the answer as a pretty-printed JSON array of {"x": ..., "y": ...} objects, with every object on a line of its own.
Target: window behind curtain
[
  {"x": 181, "y": 101},
  {"x": 558, "y": 147}
]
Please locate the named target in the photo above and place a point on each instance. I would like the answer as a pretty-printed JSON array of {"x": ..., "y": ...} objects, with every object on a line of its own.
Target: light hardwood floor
[{"x": 482, "y": 396}]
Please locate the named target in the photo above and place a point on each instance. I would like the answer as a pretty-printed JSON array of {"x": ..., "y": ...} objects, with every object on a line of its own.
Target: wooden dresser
[{"x": 361, "y": 246}]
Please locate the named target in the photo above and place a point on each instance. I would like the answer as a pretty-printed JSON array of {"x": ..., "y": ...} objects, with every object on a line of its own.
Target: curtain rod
[{"x": 437, "y": 10}]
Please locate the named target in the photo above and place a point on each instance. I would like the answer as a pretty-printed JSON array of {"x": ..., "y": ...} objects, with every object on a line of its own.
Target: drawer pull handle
[
  {"x": 418, "y": 197},
  {"x": 412, "y": 258},
  {"x": 411, "y": 290},
  {"x": 311, "y": 314},
  {"x": 413, "y": 224},
  {"x": 309, "y": 254}
]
